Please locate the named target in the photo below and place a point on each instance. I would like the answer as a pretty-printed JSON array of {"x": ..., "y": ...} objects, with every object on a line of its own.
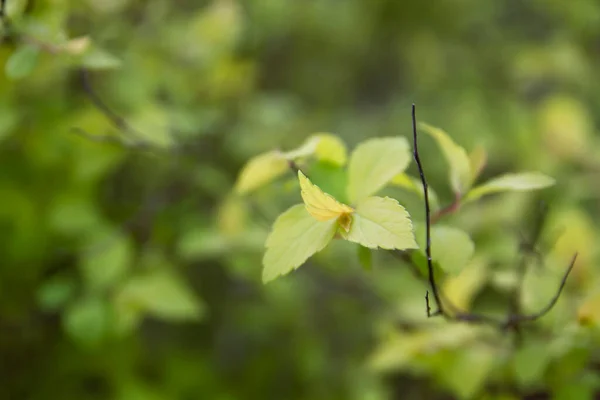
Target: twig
[
  {"x": 514, "y": 318},
  {"x": 434, "y": 288}
]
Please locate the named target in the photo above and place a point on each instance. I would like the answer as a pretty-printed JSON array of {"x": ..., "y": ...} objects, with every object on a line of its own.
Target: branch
[
  {"x": 448, "y": 310},
  {"x": 434, "y": 288}
]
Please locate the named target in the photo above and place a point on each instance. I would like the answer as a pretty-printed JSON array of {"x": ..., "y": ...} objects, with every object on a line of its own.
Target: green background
[{"x": 128, "y": 273}]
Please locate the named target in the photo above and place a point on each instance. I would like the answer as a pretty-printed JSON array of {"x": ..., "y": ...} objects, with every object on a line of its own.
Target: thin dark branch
[
  {"x": 444, "y": 307},
  {"x": 434, "y": 288},
  {"x": 516, "y": 319},
  {"x": 118, "y": 121}
]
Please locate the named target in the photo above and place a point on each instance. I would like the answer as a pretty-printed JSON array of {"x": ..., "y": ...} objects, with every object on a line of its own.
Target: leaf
[
  {"x": 469, "y": 371},
  {"x": 451, "y": 248},
  {"x": 461, "y": 289},
  {"x": 98, "y": 59},
  {"x": 55, "y": 292},
  {"x": 232, "y": 216},
  {"x": 374, "y": 163},
  {"x": 325, "y": 146},
  {"x": 102, "y": 269},
  {"x": 162, "y": 294},
  {"x": 414, "y": 185},
  {"x": 523, "y": 181},
  {"x": 477, "y": 160},
  {"x": 365, "y": 257},
  {"x": 295, "y": 236},
  {"x": 589, "y": 311},
  {"x": 331, "y": 148},
  {"x": 381, "y": 222},
  {"x": 86, "y": 321},
  {"x": 22, "y": 62},
  {"x": 319, "y": 204},
  {"x": 456, "y": 157},
  {"x": 332, "y": 179},
  {"x": 530, "y": 362},
  {"x": 261, "y": 170}
]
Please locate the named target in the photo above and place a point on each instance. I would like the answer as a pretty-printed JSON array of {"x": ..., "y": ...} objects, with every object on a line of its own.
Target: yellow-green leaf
[
  {"x": 22, "y": 62},
  {"x": 477, "y": 159},
  {"x": 456, "y": 157},
  {"x": 523, "y": 181},
  {"x": 381, "y": 222},
  {"x": 162, "y": 294},
  {"x": 295, "y": 236},
  {"x": 331, "y": 148},
  {"x": 451, "y": 248},
  {"x": 325, "y": 146},
  {"x": 374, "y": 163},
  {"x": 414, "y": 185},
  {"x": 322, "y": 206},
  {"x": 261, "y": 170}
]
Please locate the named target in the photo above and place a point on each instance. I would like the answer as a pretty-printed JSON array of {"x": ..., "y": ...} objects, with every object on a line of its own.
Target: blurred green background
[{"x": 130, "y": 271}]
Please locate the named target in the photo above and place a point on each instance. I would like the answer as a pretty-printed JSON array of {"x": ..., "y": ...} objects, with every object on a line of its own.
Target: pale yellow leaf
[{"x": 319, "y": 204}]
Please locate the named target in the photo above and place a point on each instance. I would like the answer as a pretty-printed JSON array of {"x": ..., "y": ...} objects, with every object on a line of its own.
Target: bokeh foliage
[{"x": 132, "y": 270}]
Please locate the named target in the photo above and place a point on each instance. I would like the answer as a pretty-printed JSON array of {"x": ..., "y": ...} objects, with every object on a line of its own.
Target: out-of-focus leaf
[
  {"x": 365, "y": 257},
  {"x": 98, "y": 59},
  {"x": 232, "y": 216},
  {"x": 295, "y": 236},
  {"x": 478, "y": 160},
  {"x": 331, "y": 148},
  {"x": 324, "y": 146},
  {"x": 106, "y": 265},
  {"x": 566, "y": 126},
  {"x": 589, "y": 311},
  {"x": 374, "y": 163},
  {"x": 451, "y": 248},
  {"x": 469, "y": 370},
  {"x": 22, "y": 62},
  {"x": 523, "y": 181},
  {"x": 456, "y": 157},
  {"x": 530, "y": 362},
  {"x": 163, "y": 295},
  {"x": 461, "y": 289},
  {"x": 77, "y": 45},
  {"x": 54, "y": 293},
  {"x": 414, "y": 185},
  {"x": 381, "y": 222},
  {"x": 86, "y": 321},
  {"x": 261, "y": 170}
]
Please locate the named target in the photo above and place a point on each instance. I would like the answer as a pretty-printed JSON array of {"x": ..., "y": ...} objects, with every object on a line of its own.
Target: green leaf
[
  {"x": 325, "y": 146},
  {"x": 295, "y": 236},
  {"x": 530, "y": 362},
  {"x": 54, "y": 293},
  {"x": 110, "y": 263},
  {"x": 381, "y": 222},
  {"x": 365, "y": 257},
  {"x": 523, "y": 181},
  {"x": 162, "y": 294},
  {"x": 456, "y": 157},
  {"x": 261, "y": 170},
  {"x": 469, "y": 371},
  {"x": 414, "y": 185},
  {"x": 477, "y": 160},
  {"x": 86, "y": 321},
  {"x": 374, "y": 163},
  {"x": 451, "y": 248},
  {"x": 22, "y": 62},
  {"x": 98, "y": 59},
  {"x": 331, "y": 148}
]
